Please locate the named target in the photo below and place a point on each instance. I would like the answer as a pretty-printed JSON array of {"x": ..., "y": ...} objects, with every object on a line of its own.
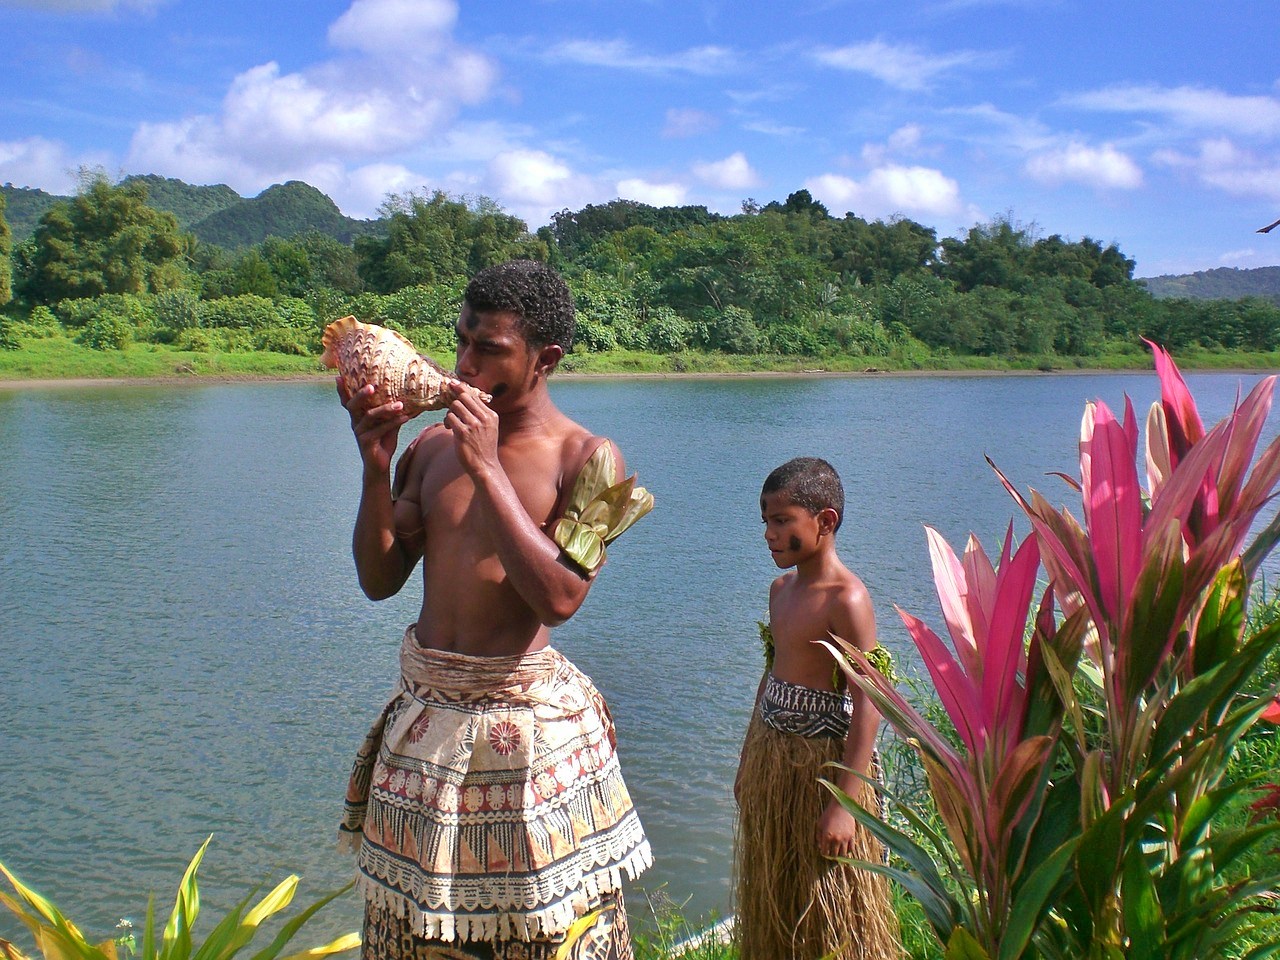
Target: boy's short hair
[
  {"x": 534, "y": 292},
  {"x": 809, "y": 482}
]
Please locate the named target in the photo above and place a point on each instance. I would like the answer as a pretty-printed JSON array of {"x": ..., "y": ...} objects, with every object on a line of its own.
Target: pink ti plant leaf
[
  {"x": 1112, "y": 506},
  {"x": 1004, "y": 656},
  {"x": 1185, "y": 428},
  {"x": 1272, "y": 713}
]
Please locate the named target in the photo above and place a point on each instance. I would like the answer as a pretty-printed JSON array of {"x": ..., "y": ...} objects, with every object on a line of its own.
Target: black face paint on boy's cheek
[
  {"x": 498, "y": 389},
  {"x": 795, "y": 543}
]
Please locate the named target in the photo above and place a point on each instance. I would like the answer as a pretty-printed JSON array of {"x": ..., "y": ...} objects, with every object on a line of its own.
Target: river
[{"x": 184, "y": 650}]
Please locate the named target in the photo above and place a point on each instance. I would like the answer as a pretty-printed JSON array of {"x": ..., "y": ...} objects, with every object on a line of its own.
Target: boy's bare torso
[
  {"x": 468, "y": 604},
  {"x": 804, "y": 611}
]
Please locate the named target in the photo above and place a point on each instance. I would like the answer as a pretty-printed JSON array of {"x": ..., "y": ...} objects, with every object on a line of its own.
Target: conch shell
[{"x": 365, "y": 353}]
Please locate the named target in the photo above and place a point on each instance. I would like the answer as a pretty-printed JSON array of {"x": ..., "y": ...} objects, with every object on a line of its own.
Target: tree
[
  {"x": 6, "y": 257},
  {"x": 439, "y": 239},
  {"x": 105, "y": 240}
]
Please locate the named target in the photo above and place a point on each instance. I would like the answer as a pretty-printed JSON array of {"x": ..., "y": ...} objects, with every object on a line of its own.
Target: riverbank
[
  {"x": 29, "y": 383},
  {"x": 58, "y": 362}
]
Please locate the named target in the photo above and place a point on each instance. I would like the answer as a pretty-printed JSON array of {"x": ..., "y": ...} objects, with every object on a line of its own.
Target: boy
[{"x": 793, "y": 901}]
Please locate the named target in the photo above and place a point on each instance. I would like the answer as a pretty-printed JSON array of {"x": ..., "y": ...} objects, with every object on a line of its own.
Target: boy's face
[{"x": 791, "y": 532}]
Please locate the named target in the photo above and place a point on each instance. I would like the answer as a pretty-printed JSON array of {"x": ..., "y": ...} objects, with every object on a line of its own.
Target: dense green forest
[
  {"x": 200, "y": 269},
  {"x": 1221, "y": 283}
]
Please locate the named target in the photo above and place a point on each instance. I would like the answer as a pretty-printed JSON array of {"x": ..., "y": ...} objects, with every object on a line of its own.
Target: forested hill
[
  {"x": 1222, "y": 283},
  {"x": 215, "y": 214}
]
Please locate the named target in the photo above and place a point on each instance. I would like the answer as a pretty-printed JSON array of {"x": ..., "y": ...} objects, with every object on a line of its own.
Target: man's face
[{"x": 493, "y": 354}]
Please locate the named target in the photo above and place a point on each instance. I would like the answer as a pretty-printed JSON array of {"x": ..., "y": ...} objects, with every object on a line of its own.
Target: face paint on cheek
[
  {"x": 498, "y": 389},
  {"x": 795, "y": 543}
]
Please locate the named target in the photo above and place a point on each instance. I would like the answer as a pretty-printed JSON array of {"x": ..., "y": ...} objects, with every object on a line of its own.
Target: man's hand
[
  {"x": 376, "y": 428},
  {"x": 837, "y": 830},
  {"x": 475, "y": 432}
]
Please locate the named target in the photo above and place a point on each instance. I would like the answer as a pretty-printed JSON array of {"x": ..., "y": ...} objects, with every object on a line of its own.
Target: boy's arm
[{"x": 836, "y": 827}]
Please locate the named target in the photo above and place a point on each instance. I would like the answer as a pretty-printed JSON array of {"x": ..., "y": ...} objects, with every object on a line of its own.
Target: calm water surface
[{"x": 184, "y": 649}]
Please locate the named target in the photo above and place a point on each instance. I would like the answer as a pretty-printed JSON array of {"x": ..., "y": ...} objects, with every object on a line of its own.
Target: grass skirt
[{"x": 792, "y": 902}]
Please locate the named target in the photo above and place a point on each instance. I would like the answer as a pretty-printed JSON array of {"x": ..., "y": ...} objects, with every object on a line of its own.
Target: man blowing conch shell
[{"x": 487, "y": 801}]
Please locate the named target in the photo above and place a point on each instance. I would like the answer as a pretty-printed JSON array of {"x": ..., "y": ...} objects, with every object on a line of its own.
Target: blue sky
[{"x": 1155, "y": 126}]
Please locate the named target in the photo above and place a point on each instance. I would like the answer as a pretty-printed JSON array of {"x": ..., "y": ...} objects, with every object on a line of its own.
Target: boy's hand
[{"x": 837, "y": 831}]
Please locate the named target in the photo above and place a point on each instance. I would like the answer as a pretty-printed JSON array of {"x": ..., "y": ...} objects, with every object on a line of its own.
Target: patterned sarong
[{"x": 487, "y": 802}]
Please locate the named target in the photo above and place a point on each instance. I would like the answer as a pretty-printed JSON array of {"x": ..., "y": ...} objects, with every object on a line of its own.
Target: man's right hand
[{"x": 376, "y": 428}]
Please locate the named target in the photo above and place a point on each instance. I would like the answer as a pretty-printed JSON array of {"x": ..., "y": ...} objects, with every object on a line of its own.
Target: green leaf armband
[{"x": 599, "y": 511}]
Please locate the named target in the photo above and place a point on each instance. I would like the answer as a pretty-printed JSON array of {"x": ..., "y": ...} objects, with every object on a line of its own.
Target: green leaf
[
  {"x": 1032, "y": 900},
  {"x": 294, "y": 924},
  {"x": 149, "y": 930},
  {"x": 962, "y": 946},
  {"x": 222, "y": 941},
  {"x": 928, "y": 887},
  {"x": 1222, "y": 618},
  {"x": 348, "y": 941},
  {"x": 1153, "y": 611},
  {"x": 1143, "y": 918},
  {"x": 1207, "y": 695},
  {"x": 1024, "y": 772},
  {"x": 186, "y": 907}
]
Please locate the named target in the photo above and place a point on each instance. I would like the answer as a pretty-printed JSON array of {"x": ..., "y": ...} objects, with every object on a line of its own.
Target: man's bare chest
[{"x": 451, "y": 499}]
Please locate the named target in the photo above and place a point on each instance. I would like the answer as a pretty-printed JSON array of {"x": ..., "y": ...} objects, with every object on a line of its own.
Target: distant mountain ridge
[
  {"x": 215, "y": 214},
  {"x": 1220, "y": 283}
]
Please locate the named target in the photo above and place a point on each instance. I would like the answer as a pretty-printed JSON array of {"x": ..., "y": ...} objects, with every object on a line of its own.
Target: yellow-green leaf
[
  {"x": 575, "y": 931},
  {"x": 273, "y": 902},
  {"x": 348, "y": 941}
]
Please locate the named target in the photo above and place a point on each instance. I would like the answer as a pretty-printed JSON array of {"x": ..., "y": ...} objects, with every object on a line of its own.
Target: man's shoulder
[{"x": 578, "y": 445}]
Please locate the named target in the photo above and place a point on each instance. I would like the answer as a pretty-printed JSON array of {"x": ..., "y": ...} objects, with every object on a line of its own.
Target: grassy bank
[{"x": 60, "y": 358}]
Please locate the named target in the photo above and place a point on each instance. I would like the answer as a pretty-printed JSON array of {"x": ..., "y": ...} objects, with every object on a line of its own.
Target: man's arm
[
  {"x": 383, "y": 563},
  {"x": 552, "y": 586},
  {"x": 855, "y": 622}
]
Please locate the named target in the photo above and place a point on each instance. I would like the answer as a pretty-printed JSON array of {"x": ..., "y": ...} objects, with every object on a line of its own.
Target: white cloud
[
  {"x": 533, "y": 185},
  {"x": 360, "y": 192},
  {"x": 902, "y": 66},
  {"x": 1223, "y": 165},
  {"x": 1103, "y": 166},
  {"x": 771, "y": 128},
  {"x": 619, "y": 55},
  {"x": 390, "y": 27},
  {"x": 403, "y": 81},
  {"x": 888, "y": 190},
  {"x": 37, "y": 162},
  {"x": 688, "y": 122},
  {"x": 731, "y": 173},
  {"x": 905, "y": 141},
  {"x": 654, "y": 194},
  {"x": 1195, "y": 107}
]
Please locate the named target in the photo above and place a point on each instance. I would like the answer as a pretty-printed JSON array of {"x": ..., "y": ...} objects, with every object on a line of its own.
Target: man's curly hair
[
  {"x": 810, "y": 483},
  {"x": 534, "y": 292}
]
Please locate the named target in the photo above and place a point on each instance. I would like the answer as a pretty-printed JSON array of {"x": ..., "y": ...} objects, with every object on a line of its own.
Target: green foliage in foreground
[{"x": 58, "y": 938}]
